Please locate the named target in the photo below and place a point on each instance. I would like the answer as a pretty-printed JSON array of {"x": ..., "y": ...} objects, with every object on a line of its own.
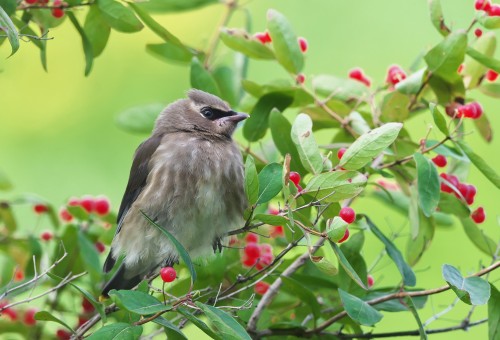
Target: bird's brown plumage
[{"x": 188, "y": 178}]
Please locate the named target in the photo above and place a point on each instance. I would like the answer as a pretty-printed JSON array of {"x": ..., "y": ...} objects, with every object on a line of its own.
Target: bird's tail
[{"x": 120, "y": 281}]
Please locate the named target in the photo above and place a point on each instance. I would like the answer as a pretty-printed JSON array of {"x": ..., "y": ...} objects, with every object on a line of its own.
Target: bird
[{"x": 188, "y": 177}]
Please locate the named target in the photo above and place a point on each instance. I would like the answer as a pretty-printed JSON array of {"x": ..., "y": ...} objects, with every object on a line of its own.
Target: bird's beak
[{"x": 236, "y": 117}]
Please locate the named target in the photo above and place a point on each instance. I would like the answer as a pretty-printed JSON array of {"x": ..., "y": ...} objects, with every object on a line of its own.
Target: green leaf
[
  {"x": 396, "y": 305},
  {"x": 224, "y": 323},
  {"x": 91, "y": 256},
  {"x": 198, "y": 323},
  {"x": 286, "y": 46},
  {"x": 46, "y": 316},
  {"x": 412, "y": 83},
  {"x": 445, "y": 58},
  {"x": 154, "y": 26},
  {"x": 228, "y": 80},
  {"x": 97, "y": 30},
  {"x": 170, "y": 53},
  {"x": 439, "y": 120},
  {"x": 9, "y": 6},
  {"x": 339, "y": 88},
  {"x": 281, "y": 133},
  {"x": 473, "y": 71},
  {"x": 240, "y": 41},
  {"x": 395, "y": 107},
  {"x": 163, "y": 6},
  {"x": 173, "y": 332},
  {"x": 480, "y": 164},
  {"x": 494, "y": 314},
  {"x": 413, "y": 309},
  {"x": 178, "y": 246},
  {"x": 139, "y": 119},
  {"x": 5, "y": 183},
  {"x": 303, "y": 293},
  {"x": 78, "y": 212},
  {"x": 489, "y": 22},
  {"x": 428, "y": 184},
  {"x": 346, "y": 265},
  {"x": 477, "y": 236},
  {"x": 271, "y": 219},
  {"x": 324, "y": 265},
  {"x": 471, "y": 290},
  {"x": 201, "y": 78},
  {"x": 139, "y": 302},
  {"x": 269, "y": 182},
  {"x": 369, "y": 145},
  {"x": 303, "y": 138},
  {"x": 117, "y": 331},
  {"x": 32, "y": 36},
  {"x": 484, "y": 59},
  {"x": 87, "y": 46},
  {"x": 483, "y": 126},
  {"x": 8, "y": 27},
  {"x": 336, "y": 228},
  {"x": 98, "y": 306},
  {"x": 358, "y": 310},
  {"x": 336, "y": 185},
  {"x": 418, "y": 244},
  {"x": 256, "y": 126},
  {"x": 251, "y": 181},
  {"x": 448, "y": 203},
  {"x": 437, "y": 18},
  {"x": 119, "y": 17},
  {"x": 407, "y": 273}
]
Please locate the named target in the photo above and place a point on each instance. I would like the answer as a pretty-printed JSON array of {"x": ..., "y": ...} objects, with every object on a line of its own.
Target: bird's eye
[{"x": 207, "y": 112}]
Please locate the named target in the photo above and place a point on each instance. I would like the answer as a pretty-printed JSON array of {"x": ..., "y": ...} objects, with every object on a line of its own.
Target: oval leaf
[
  {"x": 480, "y": 164},
  {"x": 201, "y": 78},
  {"x": 251, "y": 181},
  {"x": 119, "y": 17},
  {"x": 369, "y": 145},
  {"x": 358, "y": 310},
  {"x": 139, "y": 302},
  {"x": 306, "y": 145},
  {"x": 444, "y": 59},
  {"x": 336, "y": 185},
  {"x": 224, "y": 323},
  {"x": 269, "y": 182},
  {"x": 117, "y": 331},
  {"x": 471, "y": 290},
  {"x": 8, "y": 27},
  {"x": 428, "y": 184},
  {"x": 46, "y": 316}
]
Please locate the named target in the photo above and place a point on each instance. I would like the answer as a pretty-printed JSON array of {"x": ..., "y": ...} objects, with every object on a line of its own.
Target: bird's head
[{"x": 201, "y": 113}]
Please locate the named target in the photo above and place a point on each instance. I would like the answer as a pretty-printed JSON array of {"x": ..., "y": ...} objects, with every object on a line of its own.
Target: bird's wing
[{"x": 136, "y": 183}]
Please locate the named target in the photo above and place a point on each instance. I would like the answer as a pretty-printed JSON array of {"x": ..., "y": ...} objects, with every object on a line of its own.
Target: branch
[{"x": 24, "y": 6}]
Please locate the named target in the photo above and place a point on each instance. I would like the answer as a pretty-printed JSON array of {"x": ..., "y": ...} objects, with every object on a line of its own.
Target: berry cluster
[
  {"x": 255, "y": 254},
  {"x": 463, "y": 191},
  {"x": 357, "y": 74},
  {"x": 471, "y": 110},
  {"x": 99, "y": 205},
  {"x": 492, "y": 10},
  {"x": 57, "y": 6}
]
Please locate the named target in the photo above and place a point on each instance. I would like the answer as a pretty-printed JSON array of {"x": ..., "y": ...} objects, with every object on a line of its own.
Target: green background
[{"x": 58, "y": 136}]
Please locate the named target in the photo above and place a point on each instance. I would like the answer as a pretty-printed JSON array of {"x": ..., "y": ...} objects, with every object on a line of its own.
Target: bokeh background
[{"x": 58, "y": 136}]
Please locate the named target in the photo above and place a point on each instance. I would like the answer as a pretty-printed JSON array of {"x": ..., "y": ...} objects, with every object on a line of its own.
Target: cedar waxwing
[{"x": 188, "y": 178}]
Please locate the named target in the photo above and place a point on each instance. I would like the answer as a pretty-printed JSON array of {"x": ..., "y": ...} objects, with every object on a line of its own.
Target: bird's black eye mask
[{"x": 214, "y": 114}]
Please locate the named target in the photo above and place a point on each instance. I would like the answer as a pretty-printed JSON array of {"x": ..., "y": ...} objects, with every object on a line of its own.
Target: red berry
[
  {"x": 491, "y": 75},
  {"x": 444, "y": 186},
  {"x": 29, "y": 317},
  {"x": 482, "y": 5},
  {"x": 46, "y": 236},
  {"x": 264, "y": 261},
  {"x": 273, "y": 211},
  {"x": 263, "y": 37},
  {"x": 395, "y": 74},
  {"x": 31, "y": 2},
  {"x": 101, "y": 205},
  {"x": 63, "y": 334},
  {"x": 12, "y": 314},
  {"x": 460, "y": 68},
  {"x": 251, "y": 238},
  {"x": 478, "y": 215},
  {"x": 87, "y": 306},
  {"x": 266, "y": 248},
  {"x": 494, "y": 11},
  {"x": 249, "y": 261},
  {"x": 300, "y": 79},
  {"x": 252, "y": 250},
  {"x": 471, "y": 193},
  {"x": 261, "y": 287},
  {"x": 87, "y": 203},
  {"x": 57, "y": 13},
  {"x": 341, "y": 152},
  {"x": 356, "y": 73},
  {"x": 366, "y": 81},
  {"x": 74, "y": 201},
  {"x": 440, "y": 161},
  {"x": 65, "y": 215},
  {"x": 168, "y": 274},
  {"x": 302, "y": 44},
  {"x": 463, "y": 189},
  {"x": 101, "y": 248},
  {"x": 18, "y": 275},
  {"x": 370, "y": 281},
  {"x": 345, "y": 237},
  {"x": 347, "y": 214},
  {"x": 295, "y": 177},
  {"x": 277, "y": 231},
  {"x": 233, "y": 240},
  {"x": 478, "y": 32},
  {"x": 40, "y": 208}
]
